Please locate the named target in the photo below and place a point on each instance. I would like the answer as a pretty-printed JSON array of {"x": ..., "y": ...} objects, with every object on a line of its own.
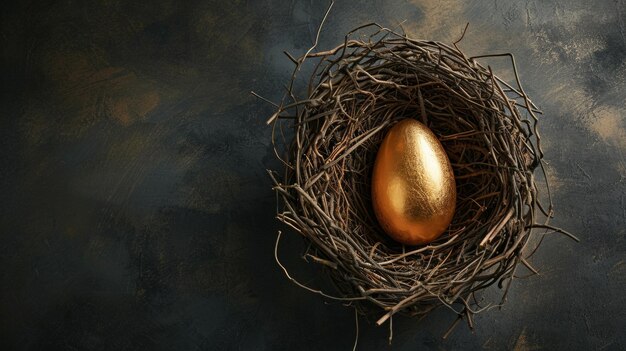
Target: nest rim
[{"x": 490, "y": 133}]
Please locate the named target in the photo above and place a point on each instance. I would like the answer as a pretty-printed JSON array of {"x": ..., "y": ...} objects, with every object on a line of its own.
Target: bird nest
[{"x": 488, "y": 128}]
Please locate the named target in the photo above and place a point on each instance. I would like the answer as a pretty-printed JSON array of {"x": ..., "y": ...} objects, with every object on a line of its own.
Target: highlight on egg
[{"x": 413, "y": 188}]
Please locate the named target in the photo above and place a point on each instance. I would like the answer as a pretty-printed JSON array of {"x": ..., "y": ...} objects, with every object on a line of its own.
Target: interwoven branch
[{"x": 488, "y": 128}]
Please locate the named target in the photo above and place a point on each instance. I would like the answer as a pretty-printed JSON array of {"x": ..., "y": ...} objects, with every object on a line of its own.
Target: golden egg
[{"x": 413, "y": 189}]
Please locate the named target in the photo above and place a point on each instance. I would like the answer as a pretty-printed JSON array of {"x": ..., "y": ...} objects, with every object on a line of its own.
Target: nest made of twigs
[{"x": 488, "y": 127}]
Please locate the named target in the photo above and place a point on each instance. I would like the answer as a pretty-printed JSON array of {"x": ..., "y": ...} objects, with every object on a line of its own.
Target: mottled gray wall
[{"x": 137, "y": 214}]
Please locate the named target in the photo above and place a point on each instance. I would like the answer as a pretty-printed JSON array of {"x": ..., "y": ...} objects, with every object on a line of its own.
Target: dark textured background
[{"x": 136, "y": 212}]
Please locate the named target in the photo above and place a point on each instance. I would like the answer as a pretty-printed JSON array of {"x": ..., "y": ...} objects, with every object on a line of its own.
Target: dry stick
[
  {"x": 555, "y": 229},
  {"x": 390, "y": 330},
  {"x": 451, "y": 328},
  {"x": 356, "y": 322},
  {"x": 302, "y": 285}
]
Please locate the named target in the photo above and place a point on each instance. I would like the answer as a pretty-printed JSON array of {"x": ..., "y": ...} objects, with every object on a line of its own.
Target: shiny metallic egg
[{"x": 413, "y": 188}]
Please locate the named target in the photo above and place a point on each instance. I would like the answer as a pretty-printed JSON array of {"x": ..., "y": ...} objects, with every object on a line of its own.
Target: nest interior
[{"x": 357, "y": 91}]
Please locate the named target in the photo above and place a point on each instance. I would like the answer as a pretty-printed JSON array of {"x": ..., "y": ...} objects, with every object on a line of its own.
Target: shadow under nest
[{"x": 488, "y": 127}]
